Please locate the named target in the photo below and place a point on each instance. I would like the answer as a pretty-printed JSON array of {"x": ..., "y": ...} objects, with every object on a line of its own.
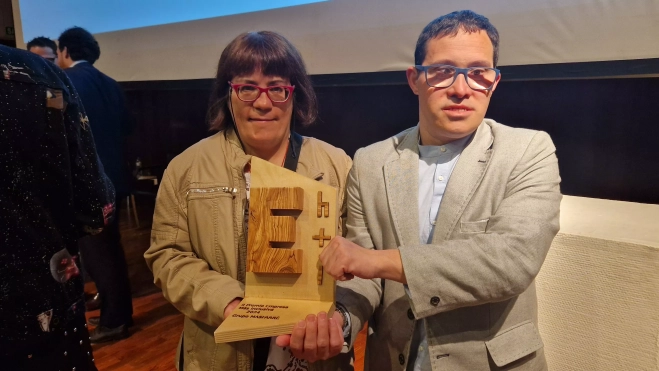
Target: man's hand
[
  {"x": 231, "y": 306},
  {"x": 316, "y": 337},
  {"x": 343, "y": 260}
]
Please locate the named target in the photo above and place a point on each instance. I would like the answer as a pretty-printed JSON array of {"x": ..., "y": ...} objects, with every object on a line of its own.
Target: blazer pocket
[
  {"x": 514, "y": 343},
  {"x": 474, "y": 227}
]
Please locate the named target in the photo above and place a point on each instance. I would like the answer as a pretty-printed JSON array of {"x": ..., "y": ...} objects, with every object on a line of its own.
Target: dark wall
[
  {"x": 605, "y": 130},
  {"x": 167, "y": 122}
]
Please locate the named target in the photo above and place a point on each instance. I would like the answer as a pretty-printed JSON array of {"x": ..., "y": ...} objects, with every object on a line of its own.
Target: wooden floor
[
  {"x": 158, "y": 325},
  {"x": 153, "y": 340}
]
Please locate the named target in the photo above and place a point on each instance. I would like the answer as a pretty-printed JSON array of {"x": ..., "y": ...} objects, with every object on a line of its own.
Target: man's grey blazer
[{"x": 474, "y": 284}]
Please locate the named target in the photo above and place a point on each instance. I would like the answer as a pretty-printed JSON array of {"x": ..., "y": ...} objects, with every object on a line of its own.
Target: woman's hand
[
  {"x": 316, "y": 337},
  {"x": 231, "y": 306}
]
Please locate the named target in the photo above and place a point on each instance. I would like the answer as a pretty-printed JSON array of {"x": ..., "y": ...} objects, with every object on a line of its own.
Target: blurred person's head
[
  {"x": 77, "y": 44},
  {"x": 44, "y": 47},
  {"x": 262, "y": 90}
]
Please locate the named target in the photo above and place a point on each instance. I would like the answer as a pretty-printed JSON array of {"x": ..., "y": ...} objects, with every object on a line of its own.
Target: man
[
  {"x": 52, "y": 191},
  {"x": 102, "y": 255},
  {"x": 448, "y": 276},
  {"x": 44, "y": 47}
]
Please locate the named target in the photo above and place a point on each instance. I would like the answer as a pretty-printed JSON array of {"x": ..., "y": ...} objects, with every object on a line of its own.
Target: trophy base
[{"x": 264, "y": 317}]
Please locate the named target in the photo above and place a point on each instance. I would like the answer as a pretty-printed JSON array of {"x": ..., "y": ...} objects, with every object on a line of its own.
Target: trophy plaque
[{"x": 291, "y": 219}]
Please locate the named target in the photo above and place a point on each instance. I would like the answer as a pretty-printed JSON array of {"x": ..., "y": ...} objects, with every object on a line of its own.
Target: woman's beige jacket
[{"x": 198, "y": 244}]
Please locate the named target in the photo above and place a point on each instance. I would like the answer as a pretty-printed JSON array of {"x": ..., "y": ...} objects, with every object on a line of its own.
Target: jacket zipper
[{"x": 230, "y": 190}]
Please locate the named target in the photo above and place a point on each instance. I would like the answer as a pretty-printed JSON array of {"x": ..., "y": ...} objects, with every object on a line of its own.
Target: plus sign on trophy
[{"x": 291, "y": 219}]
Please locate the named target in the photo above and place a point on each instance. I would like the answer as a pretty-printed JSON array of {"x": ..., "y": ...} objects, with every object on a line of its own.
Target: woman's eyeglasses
[{"x": 249, "y": 93}]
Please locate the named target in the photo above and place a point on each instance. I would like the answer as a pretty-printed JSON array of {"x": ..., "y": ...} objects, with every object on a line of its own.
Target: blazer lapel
[
  {"x": 466, "y": 176},
  {"x": 401, "y": 175}
]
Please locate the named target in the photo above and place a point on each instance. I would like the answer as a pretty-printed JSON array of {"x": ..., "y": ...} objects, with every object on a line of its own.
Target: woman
[{"x": 198, "y": 242}]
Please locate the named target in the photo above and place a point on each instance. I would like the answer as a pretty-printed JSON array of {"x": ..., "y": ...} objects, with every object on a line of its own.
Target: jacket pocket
[
  {"x": 211, "y": 226},
  {"x": 514, "y": 343},
  {"x": 474, "y": 227}
]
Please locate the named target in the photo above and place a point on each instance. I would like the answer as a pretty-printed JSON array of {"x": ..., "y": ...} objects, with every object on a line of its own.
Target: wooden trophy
[{"x": 291, "y": 219}]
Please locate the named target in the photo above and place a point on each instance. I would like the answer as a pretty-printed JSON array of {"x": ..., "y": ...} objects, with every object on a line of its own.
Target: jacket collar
[
  {"x": 401, "y": 173},
  {"x": 79, "y": 62},
  {"x": 401, "y": 176},
  {"x": 467, "y": 175},
  {"x": 236, "y": 156},
  {"x": 304, "y": 166}
]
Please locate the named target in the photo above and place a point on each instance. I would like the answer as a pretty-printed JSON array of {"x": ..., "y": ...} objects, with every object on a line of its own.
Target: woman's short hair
[{"x": 272, "y": 55}]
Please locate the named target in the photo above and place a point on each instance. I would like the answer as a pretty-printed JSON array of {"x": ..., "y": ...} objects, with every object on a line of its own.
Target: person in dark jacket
[
  {"x": 102, "y": 255},
  {"x": 52, "y": 192}
]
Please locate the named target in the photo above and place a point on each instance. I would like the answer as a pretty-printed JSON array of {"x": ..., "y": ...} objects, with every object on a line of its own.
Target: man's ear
[
  {"x": 412, "y": 77},
  {"x": 496, "y": 83}
]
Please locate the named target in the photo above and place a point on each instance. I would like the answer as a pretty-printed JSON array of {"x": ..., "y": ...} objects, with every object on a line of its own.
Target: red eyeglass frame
[{"x": 290, "y": 89}]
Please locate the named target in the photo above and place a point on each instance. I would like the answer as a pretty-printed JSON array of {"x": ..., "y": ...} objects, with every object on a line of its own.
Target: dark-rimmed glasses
[
  {"x": 249, "y": 93},
  {"x": 444, "y": 75}
]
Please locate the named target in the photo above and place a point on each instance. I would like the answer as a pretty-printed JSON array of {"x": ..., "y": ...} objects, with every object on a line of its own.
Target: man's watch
[{"x": 347, "y": 323}]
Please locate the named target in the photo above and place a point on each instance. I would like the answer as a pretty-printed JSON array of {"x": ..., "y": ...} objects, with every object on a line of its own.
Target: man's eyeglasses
[
  {"x": 249, "y": 93},
  {"x": 443, "y": 76}
]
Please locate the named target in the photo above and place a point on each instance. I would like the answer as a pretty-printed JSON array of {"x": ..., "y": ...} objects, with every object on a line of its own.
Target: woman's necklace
[{"x": 286, "y": 153}]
